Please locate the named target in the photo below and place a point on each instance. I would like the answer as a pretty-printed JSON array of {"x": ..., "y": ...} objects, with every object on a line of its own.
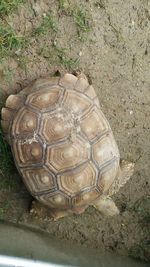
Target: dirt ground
[{"x": 113, "y": 49}]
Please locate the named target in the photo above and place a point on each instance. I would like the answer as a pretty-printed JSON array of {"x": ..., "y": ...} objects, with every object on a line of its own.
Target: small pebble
[
  {"x": 55, "y": 42},
  {"x": 18, "y": 52}
]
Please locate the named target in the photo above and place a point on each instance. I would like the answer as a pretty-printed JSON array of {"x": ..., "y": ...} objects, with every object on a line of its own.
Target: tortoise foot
[
  {"x": 41, "y": 212},
  {"x": 38, "y": 210},
  {"x": 106, "y": 206}
]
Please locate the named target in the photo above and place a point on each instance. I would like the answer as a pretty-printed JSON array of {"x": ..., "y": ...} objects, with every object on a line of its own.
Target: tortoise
[{"x": 63, "y": 146}]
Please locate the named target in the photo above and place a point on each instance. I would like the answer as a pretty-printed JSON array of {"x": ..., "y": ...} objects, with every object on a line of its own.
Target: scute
[
  {"x": 75, "y": 181},
  {"x": 56, "y": 126},
  {"x": 67, "y": 155},
  {"x": 38, "y": 180},
  {"x": 25, "y": 123},
  {"x": 28, "y": 152},
  {"x": 90, "y": 92},
  {"x": 6, "y": 114},
  {"x": 14, "y": 102},
  {"x": 81, "y": 85},
  {"x": 105, "y": 150},
  {"x": 5, "y": 126},
  {"x": 96, "y": 102},
  {"x": 45, "y": 83},
  {"x": 55, "y": 200},
  {"x": 107, "y": 175},
  {"x": 74, "y": 102},
  {"x": 85, "y": 198},
  {"x": 44, "y": 100},
  {"x": 93, "y": 124},
  {"x": 68, "y": 81}
]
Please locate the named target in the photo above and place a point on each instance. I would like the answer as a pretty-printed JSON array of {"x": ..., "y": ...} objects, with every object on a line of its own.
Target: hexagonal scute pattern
[
  {"x": 56, "y": 127},
  {"x": 26, "y": 153},
  {"x": 67, "y": 155},
  {"x": 25, "y": 122},
  {"x": 94, "y": 124},
  {"x": 55, "y": 200},
  {"x": 45, "y": 99},
  {"x": 107, "y": 176},
  {"x": 75, "y": 102},
  {"x": 38, "y": 180},
  {"x": 105, "y": 149},
  {"x": 85, "y": 198},
  {"x": 75, "y": 181}
]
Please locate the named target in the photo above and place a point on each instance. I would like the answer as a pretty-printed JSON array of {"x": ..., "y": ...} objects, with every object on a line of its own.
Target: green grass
[
  {"x": 58, "y": 55},
  {"x": 6, "y": 74},
  {"x": 7, "y": 181},
  {"x": 8, "y": 6},
  {"x": 141, "y": 251},
  {"x": 79, "y": 15},
  {"x": 47, "y": 24},
  {"x": 63, "y": 59},
  {"x": 9, "y": 41},
  {"x": 4, "y": 208},
  {"x": 6, "y": 161},
  {"x": 64, "y": 6},
  {"x": 69, "y": 63},
  {"x": 23, "y": 63},
  {"x": 81, "y": 21},
  {"x": 2, "y": 99},
  {"x": 7, "y": 167}
]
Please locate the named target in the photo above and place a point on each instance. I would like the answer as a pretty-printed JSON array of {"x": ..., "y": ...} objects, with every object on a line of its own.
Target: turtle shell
[{"x": 61, "y": 141}]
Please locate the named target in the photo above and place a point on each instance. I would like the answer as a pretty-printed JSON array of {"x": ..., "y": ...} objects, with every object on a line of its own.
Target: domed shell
[{"x": 61, "y": 141}]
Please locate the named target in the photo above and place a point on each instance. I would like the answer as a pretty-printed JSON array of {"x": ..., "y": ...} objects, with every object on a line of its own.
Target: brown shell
[{"x": 62, "y": 143}]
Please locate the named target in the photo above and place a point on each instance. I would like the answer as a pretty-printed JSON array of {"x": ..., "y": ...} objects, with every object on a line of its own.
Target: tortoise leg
[
  {"x": 78, "y": 210},
  {"x": 106, "y": 206},
  {"x": 57, "y": 214},
  {"x": 37, "y": 209},
  {"x": 125, "y": 172},
  {"x": 42, "y": 212}
]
